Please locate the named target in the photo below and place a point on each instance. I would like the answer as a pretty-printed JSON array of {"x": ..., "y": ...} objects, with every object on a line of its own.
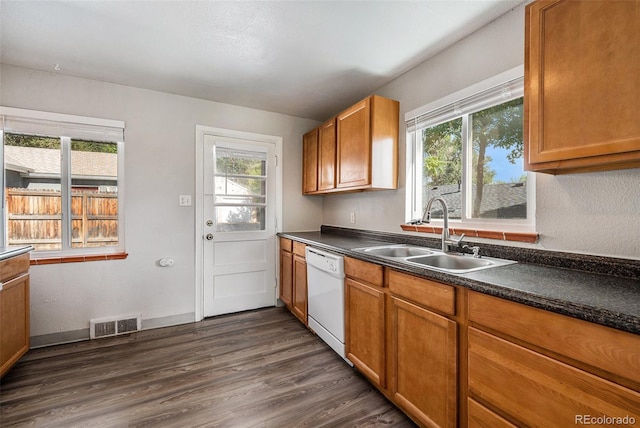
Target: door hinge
[{"x": 276, "y": 160}]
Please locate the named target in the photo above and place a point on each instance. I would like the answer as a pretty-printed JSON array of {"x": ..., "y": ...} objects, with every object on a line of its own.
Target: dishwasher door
[{"x": 325, "y": 293}]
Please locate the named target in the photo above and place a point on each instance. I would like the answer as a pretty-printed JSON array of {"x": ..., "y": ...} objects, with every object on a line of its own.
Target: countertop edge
[
  {"x": 590, "y": 313},
  {"x": 8, "y": 252}
]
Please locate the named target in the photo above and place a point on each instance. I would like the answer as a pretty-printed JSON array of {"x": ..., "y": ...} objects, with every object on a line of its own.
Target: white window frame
[
  {"x": 67, "y": 127},
  {"x": 490, "y": 92}
]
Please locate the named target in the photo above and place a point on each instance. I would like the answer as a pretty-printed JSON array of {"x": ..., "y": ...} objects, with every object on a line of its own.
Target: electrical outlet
[
  {"x": 353, "y": 218},
  {"x": 166, "y": 262},
  {"x": 184, "y": 200}
]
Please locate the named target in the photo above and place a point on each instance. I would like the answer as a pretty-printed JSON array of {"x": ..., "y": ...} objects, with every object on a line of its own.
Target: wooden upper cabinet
[
  {"x": 367, "y": 155},
  {"x": 354, "y": 149},
  {"x": 310, "y": 162},
  {"x": 357, "y": 150},
  {"x": 582, "y": 62},
  {"x": 327, "y": 156}
]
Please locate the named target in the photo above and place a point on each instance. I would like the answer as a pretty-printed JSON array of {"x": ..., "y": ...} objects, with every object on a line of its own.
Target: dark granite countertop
[{"x": 605, "y": 299}]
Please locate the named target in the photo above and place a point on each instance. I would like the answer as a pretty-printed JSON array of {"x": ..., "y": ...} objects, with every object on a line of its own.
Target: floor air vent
[{"x": 114, "y": 326}]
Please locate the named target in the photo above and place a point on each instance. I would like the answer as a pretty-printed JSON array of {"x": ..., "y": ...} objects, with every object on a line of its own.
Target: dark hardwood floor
[{"x": 253, "y": 369}]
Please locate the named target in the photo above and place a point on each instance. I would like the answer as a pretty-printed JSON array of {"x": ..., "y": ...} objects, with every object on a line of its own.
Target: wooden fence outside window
[{"x": 34, "y": 218}]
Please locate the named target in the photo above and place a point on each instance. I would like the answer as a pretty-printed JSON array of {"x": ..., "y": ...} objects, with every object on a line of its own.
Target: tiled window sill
[
  {"x": 471, "y": 233},
  {"x": 78, "y": 259}
]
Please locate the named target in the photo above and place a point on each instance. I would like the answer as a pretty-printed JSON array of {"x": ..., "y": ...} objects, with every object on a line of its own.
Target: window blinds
[
  {"x": 17, "y": 121},
  {"x": 474, "y": 100}
]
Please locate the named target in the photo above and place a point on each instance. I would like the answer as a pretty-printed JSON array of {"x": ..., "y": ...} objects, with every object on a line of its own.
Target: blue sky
[{"x": 505, "y": 171}]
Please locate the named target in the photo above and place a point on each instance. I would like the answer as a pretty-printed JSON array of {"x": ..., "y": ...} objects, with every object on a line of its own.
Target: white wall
[
  {"x": 596, "y": 213},
  {"x": 159, "y": 165}
]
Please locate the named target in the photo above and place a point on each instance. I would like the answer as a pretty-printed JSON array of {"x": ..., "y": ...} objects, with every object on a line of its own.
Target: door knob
[{"x": 209, "y": 236}]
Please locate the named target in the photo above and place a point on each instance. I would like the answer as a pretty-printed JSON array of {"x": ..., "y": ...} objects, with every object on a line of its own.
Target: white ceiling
[{"x": 304, "y": 58}]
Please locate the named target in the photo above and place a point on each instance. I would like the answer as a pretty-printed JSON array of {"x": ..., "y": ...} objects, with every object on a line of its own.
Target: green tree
[
  {"x": 443, "y": 153},
  {"x": 245, "y": 172},
  {"x": 499, "y": 126},
  {"x": 53, "y": 143}
]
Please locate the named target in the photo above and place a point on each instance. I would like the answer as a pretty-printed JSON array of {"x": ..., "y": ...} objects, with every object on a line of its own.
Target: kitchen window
[
  {"x": 63, "y": 183},
  {"x": 467, "y": 148}
]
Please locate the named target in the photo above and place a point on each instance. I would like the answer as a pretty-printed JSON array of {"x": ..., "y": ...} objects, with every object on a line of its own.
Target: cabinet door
[
  {"x": 310, "y": 162},
  {"x": 424, "y": 352},
  {"x": 286, "y": 278},
  {"x": 14, "y": 321},
  {"x": 327, "y": 156},
  {"x": 540, "y": 391},
  {"x": 299, "y": 306},
  {"x": 365, "y": 330},
  {"x": 582, "y": 63},
  {"x": 354, "y": 146}
]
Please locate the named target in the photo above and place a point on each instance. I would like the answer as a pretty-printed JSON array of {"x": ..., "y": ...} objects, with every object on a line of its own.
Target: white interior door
[{"x": 239, "y": 230}]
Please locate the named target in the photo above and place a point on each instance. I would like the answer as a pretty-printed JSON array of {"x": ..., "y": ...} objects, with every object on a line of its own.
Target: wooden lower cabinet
[
  {"x": 539, "y": 391},
  {"x": 424, "y": 355},
  {"x": 365, "y": 330},
  {"x": 452, "y": 357},
  {"x": 14, "y": 311},
  {"x": 481, "y": 417},
  {"x": 299, "y": 303},
  {"x": 286, "y": 272},
  {"x": 539, "y": 368},
  {"x": 293, "y": 277}
]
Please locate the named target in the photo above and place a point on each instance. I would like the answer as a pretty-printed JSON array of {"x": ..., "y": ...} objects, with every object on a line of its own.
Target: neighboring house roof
[
  {"x": 36, "y": 161},
  {"x": 510, "y": 199}
]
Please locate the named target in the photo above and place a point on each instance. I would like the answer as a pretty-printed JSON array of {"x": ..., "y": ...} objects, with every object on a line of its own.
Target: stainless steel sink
[
  {"x": 457, "y": 263},
  {"x": 434, "y": 259},
  {"x": 396, "y": 251}
]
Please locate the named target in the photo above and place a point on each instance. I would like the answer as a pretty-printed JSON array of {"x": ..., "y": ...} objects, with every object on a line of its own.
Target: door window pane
[
  {"x": 32, "y": 188},
  {"x": 240, "y": 190}
]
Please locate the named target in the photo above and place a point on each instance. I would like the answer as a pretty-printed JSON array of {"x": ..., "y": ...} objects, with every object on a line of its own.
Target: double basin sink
[{"x": 434, "y": 259}]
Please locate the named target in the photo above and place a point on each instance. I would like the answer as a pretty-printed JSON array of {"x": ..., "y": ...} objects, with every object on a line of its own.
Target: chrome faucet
[{"x": 446, "y": 238}]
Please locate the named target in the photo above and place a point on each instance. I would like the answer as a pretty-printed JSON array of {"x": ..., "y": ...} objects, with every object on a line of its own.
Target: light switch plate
[{"x": 184, "y": 200}]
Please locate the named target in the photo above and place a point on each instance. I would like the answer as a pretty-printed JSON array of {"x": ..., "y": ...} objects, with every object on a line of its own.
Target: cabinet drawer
[
  {"x": 540, "y": 391},
  {"x": 364, "y": 271},
  {"x": 481, "y": 417},
  {"x": 428, "y": 293},
  {"x": 298, "y": 248},
  {"x": 614, "y": 351},
  {"x": 286, "y": 244},
  {"x": 14, "y": 266}
]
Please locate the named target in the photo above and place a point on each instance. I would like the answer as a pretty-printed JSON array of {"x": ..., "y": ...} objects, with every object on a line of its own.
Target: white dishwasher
[{"x": 325, "y": 294}]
